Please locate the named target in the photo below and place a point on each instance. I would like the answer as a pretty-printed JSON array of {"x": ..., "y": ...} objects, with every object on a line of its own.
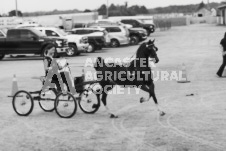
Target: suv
[
  {"x": 97, "y": 38},
  {"x": 27, "y": 41},
  {"x": 138, "y": 23},
  {"x": 76, "y": 43},
  {"x": 118, "y": 35},
  {"x": 136, "y": 34}
]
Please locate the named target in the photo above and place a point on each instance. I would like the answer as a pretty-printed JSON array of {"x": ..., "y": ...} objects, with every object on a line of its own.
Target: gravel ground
[{"x": 195, "y": 112}]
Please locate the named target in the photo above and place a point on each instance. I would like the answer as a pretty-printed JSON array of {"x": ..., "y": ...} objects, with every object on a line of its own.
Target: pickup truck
[
  {"x": 28, "y": 41},
  {"x": 77, "y": 43}
]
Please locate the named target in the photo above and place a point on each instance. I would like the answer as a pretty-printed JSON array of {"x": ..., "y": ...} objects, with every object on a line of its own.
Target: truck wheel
[
  {"x": 91, "y": 48},
  {"x": 114, "y": 43},
  {"x": 99, "y": 48},
  {"x": 72, "y": 51},
  {"x": 46, "y": 49},
  {"x": 134, "y": 40},
  {"x": 2, "y": 56}
]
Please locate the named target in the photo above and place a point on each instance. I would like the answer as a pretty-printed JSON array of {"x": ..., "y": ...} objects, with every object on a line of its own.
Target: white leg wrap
[{"x": 107, "y": 109}]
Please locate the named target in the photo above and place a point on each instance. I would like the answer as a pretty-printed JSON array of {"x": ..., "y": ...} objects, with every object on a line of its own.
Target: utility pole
[
  {"x": 16, "y": 9},
  {"x": 107, "y": 9}
]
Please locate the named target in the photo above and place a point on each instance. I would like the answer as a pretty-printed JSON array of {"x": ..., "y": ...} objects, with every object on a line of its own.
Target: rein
[{"x": 132, "y": 56}]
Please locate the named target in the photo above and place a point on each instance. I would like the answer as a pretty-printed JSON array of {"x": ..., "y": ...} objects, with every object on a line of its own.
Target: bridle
[
  {"x": 148, "y": 45},
  {"x": 155, "y": 49}
]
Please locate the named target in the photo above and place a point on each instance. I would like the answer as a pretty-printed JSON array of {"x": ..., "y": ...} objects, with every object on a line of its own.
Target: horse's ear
[
  {"x": 149, "y": 42},
  {"x": 153, "y": 41}
]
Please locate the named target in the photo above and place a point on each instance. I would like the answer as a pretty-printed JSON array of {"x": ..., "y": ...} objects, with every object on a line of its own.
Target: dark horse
[{"x": 137, "y": 73}]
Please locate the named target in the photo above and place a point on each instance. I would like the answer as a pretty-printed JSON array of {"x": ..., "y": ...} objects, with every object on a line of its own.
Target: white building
[
  {"x": 49, "y": 20},
  {"x": 7, "y": 22},
  {"x": 222, "y": 18}
]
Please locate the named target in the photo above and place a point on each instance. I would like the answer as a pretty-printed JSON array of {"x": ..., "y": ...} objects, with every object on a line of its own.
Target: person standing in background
[{"x": 223, "y": 44}]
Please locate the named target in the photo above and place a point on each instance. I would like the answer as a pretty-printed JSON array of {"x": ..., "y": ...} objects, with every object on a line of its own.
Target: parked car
[
  {"x": 96, "y": 37},
  {"x": 28, "y": 41},
  {"x": 76, "y": 43},
  {"x": 137, "y": 35},
  {"x": 119, "y": 35},
  {"x": 138, "y": 23}
]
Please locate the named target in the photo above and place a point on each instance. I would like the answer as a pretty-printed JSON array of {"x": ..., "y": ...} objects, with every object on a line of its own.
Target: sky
[{"x": 48, "y": 5}]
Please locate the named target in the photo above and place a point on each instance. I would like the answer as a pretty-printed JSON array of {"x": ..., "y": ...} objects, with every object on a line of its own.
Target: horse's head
[
  {"x": 150, "y": 50},
  {"x": 151, "y": 43}
]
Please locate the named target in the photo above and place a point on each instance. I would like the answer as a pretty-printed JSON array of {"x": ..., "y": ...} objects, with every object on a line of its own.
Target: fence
[
  {"x": 162, "y": 24},
  {"x": 205, "y": 19},
  {"x": 167, "y": 23}
]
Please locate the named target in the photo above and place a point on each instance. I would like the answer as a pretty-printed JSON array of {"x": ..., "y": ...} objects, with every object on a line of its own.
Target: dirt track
[{"x": 192, "y": 123}]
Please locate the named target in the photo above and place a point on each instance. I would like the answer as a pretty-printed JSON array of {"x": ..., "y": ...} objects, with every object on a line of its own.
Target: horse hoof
[
  {"x": 113, "y": 116},
  {"x": 141, "y": 100},
  {"x": 162, "y": 113}
]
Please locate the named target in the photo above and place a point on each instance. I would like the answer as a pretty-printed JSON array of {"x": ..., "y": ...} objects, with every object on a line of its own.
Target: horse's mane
[{"x": 141, "y": 51}]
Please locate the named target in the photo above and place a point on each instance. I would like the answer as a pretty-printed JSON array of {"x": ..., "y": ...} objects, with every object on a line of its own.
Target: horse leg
[
  {"x": 146, "y": 89},
  {"x": 104, "y": 100},
  {"x": 152, "y": 94}
]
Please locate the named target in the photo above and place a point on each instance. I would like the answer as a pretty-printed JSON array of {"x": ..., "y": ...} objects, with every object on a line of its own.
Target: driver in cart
[{"x": 57, "y": 72}]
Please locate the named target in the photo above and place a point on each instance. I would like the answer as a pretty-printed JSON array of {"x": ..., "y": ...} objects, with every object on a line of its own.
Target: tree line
[
  {"x": 185, "y": 9},
  {"x": 122, "y": 10}
]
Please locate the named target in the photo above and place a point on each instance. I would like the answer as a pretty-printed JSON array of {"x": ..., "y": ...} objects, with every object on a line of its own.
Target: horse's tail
[{"x": 99, "y": 63}]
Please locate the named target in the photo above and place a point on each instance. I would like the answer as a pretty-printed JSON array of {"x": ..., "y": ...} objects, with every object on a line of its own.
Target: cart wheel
[
  {"x": 89, "y": 101},
  {"x": 46, "y": 101},
  {"x": 23, "y": 103},
  {"x": 65, "y": 105}
]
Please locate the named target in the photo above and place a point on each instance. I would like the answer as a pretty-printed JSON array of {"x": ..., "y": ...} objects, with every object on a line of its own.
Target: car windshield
[
  {"x": 104, "y": 22},
  {"x": 39, "y": 33},
  {"x": 140, "y": 21},
  {"x": 61, "y": 32}
]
